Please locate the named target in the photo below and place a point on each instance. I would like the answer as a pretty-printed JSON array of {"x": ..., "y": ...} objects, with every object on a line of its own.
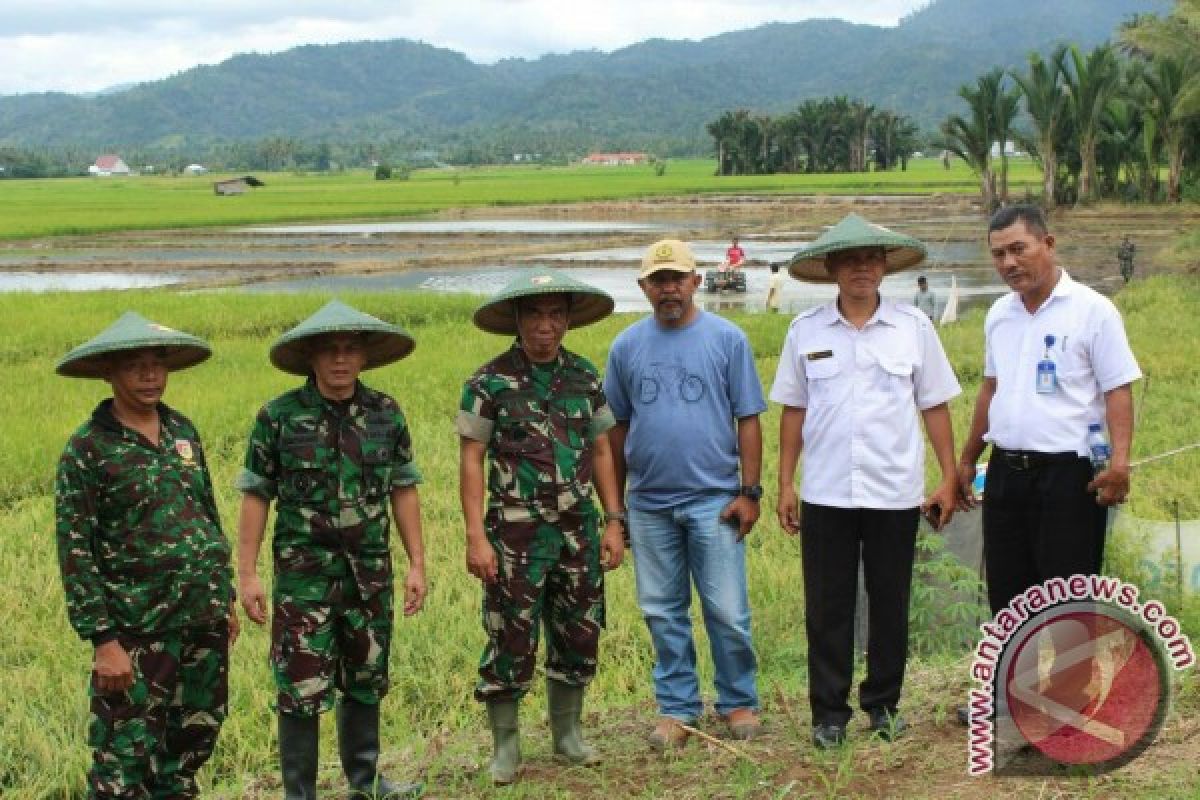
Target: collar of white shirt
[
  {"x": 885, "y": 314},
  {"x": 1062, "y": 290}
]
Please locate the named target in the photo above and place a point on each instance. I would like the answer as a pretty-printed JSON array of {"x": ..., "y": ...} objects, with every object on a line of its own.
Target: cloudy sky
[{"x": 88, "y": 45}]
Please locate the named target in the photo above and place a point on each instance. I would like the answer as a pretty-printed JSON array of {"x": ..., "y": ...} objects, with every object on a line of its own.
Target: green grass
[
  {"x": 1185, "y": 251},
  {"x": 90, "y": 205},
  {"x": 431, "y": 722}
]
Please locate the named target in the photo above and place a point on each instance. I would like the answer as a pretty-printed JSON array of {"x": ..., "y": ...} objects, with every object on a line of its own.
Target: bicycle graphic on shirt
[{"x": 673, "y": 380}]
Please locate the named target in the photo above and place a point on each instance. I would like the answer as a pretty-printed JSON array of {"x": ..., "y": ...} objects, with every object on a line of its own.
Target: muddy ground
[{"x": 1087, "y": 238}]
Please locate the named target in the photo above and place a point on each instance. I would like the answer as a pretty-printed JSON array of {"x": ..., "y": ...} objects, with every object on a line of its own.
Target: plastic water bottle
[
  {"x": 980, "y": 479},
  {"x": 1098, "y": 448}
]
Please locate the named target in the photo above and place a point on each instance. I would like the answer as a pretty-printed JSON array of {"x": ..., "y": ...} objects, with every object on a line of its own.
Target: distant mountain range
[{"x": 658, "y": 88}]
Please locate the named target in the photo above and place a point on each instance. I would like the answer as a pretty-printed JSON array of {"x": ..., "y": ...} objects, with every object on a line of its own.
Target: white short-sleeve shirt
[
  {"x": 1091, "y": 356},
  {"x": 862, "y": 391}
]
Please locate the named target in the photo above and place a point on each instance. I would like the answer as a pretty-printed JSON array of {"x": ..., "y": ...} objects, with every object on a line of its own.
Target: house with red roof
[{"x": 109, "y": 164}]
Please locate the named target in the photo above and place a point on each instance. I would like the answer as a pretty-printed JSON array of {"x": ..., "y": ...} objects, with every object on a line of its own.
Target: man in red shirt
[{"x": 735, "y": 255}]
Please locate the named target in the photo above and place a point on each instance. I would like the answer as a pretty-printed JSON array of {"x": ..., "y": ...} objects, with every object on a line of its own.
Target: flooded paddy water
[{"x": 478, "y": 250}]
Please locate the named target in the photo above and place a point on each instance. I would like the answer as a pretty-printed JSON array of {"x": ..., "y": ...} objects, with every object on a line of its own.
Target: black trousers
[
  {"x": 833, "y": 540},
  {"x": 1039, "y": 522}
]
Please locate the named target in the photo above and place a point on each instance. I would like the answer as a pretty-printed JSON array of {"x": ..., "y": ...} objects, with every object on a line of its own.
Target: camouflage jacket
[
  {"x": 331, "y": 468},
  {"x": 140, "y": 544},
  {"x": 539, "y": 422}
]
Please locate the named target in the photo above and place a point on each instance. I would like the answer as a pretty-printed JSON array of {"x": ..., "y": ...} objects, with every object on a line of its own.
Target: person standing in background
[{"x": 925, "y": 300}]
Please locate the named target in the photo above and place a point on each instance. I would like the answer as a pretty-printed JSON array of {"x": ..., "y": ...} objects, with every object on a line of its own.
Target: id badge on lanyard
[{"x": 1047, "y": 377}]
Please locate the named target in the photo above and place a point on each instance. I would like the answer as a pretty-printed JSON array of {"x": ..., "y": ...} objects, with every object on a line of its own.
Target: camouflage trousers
[
  {"x": 324, "y": 636},
  {"x": 150, "y": 740},
  {"x": 548, "y": 574}
]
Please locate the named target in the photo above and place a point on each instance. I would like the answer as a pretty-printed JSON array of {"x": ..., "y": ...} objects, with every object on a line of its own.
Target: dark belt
[{"x": 1031, "y": 459}]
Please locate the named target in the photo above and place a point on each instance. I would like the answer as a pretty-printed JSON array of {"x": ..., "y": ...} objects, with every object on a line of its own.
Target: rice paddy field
[
  {"x": 37, "y": 208},
  {"x": 432, "y": 728}
]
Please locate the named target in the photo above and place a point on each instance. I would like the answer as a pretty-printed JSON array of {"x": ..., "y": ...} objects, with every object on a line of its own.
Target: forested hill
[{"x": 649, "y": 91}]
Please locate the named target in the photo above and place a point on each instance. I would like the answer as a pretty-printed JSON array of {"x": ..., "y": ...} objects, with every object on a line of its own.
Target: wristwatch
[
  {"x": 754, "y": 492},
  {"x": 615, "y": 516}
]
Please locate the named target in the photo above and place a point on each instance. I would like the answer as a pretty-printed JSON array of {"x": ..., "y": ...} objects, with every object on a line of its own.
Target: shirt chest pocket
[
  {"x": 520, "y": 422},
  {"x": 1072, "y": 360},
  {"x": 572, "y": 411},
  {"x": 893, "y": 376},
  {"x": 378, "y": 454},
  {"x": 304, "y": 480},
  {"x": 825, "y": 381}
]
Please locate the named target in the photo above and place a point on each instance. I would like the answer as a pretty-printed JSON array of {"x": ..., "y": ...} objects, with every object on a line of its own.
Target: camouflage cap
[
  {"x": 132, "y": 332},
  {"x": 385, "y": 343},
  {"x": 902, "y": 252},
  {"x": 588, "y": 304}
]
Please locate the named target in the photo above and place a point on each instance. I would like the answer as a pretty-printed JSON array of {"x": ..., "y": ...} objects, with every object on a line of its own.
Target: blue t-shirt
[{"x": 681, "y": 391}]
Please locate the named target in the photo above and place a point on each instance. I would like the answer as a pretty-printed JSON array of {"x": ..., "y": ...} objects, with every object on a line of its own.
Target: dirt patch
[{"x": 928, "y": 762}]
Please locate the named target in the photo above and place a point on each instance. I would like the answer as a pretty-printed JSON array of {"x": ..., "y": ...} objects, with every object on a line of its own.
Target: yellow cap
[{"x": 668, "y": 254}]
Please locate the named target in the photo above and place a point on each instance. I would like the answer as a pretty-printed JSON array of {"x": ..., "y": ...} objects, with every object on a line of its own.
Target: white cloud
[{"x": 87, "y": 45}]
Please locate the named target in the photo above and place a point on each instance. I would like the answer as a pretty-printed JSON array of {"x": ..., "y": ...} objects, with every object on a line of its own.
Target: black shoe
[
  {"x": 887, "y": 725},
  {"x": 827, "y": 735},
  {"x": 963, "y": 715}
]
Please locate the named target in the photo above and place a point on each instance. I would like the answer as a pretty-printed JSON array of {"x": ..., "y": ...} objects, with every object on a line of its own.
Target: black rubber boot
[
  {"x": 358, "y": 746},
  {"x": 298, "y": 737}
]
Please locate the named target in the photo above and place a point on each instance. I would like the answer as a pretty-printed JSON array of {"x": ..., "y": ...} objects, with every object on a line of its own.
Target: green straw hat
[
  {"x": 853, "y": 231},
  {"x": 384, "y": 343},
  {"x": 132, "y": 332},
  {"x": 587, "y": 303}
]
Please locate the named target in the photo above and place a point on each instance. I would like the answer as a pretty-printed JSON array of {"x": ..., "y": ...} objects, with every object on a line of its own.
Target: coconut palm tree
[
  {"x": 1119, "y": 147},
  {"x": 970, "y": 138},
  {"x": 1046, "y": 104},
  {"x": 766, "y": 145},
  {"x": 1168, "y": 84},
  {"x": 744, "y": 144},
  {"x": 1004, "y": 102},
  {"x": 722, "y": 129},
  {"x": 894, "y": 138},
  {"x": 1091, "y": 80},
  {"x": 787, "y": 138},
  {"x": 858, "y": 122},
  {"x": 1176, "y": 37}
]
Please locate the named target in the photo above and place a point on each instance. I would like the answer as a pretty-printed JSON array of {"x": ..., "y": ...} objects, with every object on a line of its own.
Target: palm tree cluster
[
  {"x": 829, "y": 135},
  {"x": 1102, "y": 124}
]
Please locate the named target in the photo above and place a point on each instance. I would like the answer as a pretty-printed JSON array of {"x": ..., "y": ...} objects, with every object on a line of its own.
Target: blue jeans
[{"x": 671, "y": 548}]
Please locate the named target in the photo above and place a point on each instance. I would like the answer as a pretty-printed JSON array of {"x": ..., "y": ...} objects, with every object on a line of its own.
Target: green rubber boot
[
  {"x": 506, "y": 740},
  {"x": 565, "y": 704}
]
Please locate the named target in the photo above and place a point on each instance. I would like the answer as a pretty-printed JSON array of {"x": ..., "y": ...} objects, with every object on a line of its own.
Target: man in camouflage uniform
[
  {"x": 334, "y": 455},
  {"x": 538, "y": 412},
  {"x": 145, "y": 567},
  {"x": 1125, "y": 254}
]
